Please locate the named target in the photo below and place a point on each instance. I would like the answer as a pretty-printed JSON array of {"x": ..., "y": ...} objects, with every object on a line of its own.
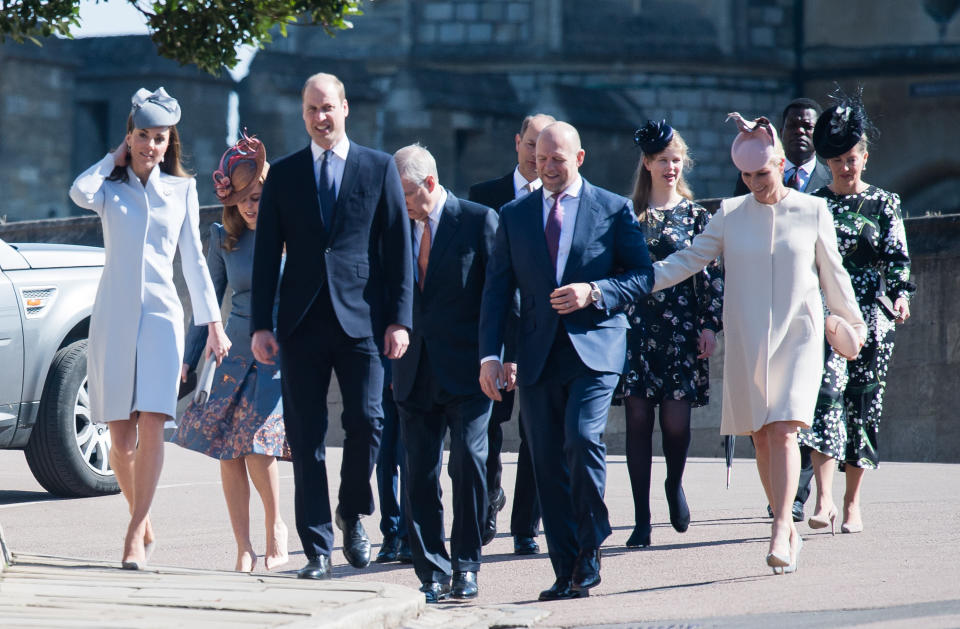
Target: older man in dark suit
[
  {"x": 577, "y": 256},
  {"x": 337, "y": 209},
  {"x": 436, "y": 382},
  {"x": 525, "y": 515}
]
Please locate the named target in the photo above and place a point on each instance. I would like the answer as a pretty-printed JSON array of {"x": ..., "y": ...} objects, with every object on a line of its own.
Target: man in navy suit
[
  {"x": 436, "y": 383},
  {"x": 525, "y": 515},
  {"x": 577, "y": 256},
  {"x": 337, "y": 209}
]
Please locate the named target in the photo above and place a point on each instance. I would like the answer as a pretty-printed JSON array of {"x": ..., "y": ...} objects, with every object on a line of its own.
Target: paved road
[{"x": 904, "y": 570}]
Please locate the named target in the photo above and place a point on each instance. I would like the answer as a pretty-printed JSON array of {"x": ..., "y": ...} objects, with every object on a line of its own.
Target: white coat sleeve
[
  {"x": 834, "y": 279},
  {"x": 195, "y": 272},
  {"x": 705, "y": 248},
  {"x": 87, "y": 189}
]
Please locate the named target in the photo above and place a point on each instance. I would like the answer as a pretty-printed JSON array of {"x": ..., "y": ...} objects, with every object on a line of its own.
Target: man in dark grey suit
[
  {"x": 577, "y": 255},
  {"x": 436, "y": 382},
  {"x": 525, "y": 515},
  {"x": 802, "y": 171}
]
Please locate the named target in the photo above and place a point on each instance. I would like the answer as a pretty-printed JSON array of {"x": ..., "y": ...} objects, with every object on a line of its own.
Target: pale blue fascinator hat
[{"x": 156, "y": 109}]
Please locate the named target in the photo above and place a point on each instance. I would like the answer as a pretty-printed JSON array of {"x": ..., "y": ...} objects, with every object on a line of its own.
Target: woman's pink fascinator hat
[{"x": 755, "y": 145}]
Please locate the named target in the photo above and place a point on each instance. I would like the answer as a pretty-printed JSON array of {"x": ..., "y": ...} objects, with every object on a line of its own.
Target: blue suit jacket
[
  {"x": 363, "y": 258},
  {"x": 608, "y": 248}
]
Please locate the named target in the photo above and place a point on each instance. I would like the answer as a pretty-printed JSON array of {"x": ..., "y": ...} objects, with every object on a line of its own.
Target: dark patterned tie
[
  {"x": 793, "y": 180},
  {"x": 325, "y": 190},
  {"x": 553, "y": 228}
]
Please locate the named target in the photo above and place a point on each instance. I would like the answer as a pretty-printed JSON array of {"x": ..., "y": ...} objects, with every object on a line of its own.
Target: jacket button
[{"x": 327, "y": 250}]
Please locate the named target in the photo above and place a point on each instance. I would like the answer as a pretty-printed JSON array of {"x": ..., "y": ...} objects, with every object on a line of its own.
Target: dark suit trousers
[
  {"x": 525, "y": 516},
  {"x": 424, "y": 418},
  {"x": 565, "y": 415},
  {"x": 317, "y": 347},
  {"x": 391, "y": 474}
]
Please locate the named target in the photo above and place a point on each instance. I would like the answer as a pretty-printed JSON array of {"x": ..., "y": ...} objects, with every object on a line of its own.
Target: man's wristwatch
[{"x": 595, "y": 295}]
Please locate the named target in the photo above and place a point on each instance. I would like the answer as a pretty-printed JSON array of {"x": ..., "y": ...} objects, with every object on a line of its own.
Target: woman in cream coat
[
  {"x": 779, "y": 248},
  {"x": 149, "y": 209}
]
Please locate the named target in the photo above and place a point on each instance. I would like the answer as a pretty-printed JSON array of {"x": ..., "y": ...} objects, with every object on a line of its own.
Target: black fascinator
[
  {"x": 842, "y": 126},
  {"x": 653, "y": 137}
]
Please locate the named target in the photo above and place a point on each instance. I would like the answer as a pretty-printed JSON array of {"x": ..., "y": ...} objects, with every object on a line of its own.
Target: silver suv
[{"x": 46, "y": 295}]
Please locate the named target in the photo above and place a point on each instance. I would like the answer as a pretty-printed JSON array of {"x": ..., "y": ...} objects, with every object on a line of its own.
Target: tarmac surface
[{"x": 902, "y": 571}]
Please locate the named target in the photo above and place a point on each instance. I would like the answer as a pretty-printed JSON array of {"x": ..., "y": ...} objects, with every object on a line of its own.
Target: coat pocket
[{"x": 363, "y": 270}]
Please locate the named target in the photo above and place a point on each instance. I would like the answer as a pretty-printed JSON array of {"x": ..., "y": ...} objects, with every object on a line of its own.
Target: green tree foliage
[{"x": 203, "y": 32}]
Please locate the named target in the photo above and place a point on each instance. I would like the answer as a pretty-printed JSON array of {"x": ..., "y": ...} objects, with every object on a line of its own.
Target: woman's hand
[
  {"x": 120, "y": 157},
  {"x": 184, "y": 370},
  {"x": 217, "y": 342},
  {"x": 706, "y": 343},
  {"x": 902, "y": 308}
]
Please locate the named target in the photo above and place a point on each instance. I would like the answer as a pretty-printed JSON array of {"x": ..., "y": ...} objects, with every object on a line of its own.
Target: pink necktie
[{"x": 553, "y": 227}]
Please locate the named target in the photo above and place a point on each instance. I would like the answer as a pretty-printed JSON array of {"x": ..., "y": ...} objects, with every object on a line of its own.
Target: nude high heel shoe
[
  {"x": 821, "y": 521},
  {"x": 850, "y": 524}
]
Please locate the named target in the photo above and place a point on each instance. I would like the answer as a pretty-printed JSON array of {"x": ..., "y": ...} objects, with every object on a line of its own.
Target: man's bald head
[{"x": 559, "y": 156}]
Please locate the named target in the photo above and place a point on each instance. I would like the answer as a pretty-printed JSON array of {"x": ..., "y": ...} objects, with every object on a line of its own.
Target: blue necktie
[{"x": 325, "y": 191}]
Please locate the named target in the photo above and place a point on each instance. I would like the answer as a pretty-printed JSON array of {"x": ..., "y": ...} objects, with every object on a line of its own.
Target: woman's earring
[{"x": 161, "y": 158}]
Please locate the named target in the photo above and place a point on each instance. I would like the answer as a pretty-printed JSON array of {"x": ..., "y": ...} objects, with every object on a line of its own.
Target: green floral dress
[{"x": 873, "y": 243}]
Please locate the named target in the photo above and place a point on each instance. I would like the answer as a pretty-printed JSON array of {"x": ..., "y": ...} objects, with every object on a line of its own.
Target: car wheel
[{"x": 68, "y": 453}]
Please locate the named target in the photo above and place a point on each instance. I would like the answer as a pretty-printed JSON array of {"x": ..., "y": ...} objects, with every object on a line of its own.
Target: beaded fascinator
[
  {"x": 241, "y": 166},
  {"x": 755, "y": 145},
  {"x": 842, "y": 126},
  {"x": 653, "y": 137}
]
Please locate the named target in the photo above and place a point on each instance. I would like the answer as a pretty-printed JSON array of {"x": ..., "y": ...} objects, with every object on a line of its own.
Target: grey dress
[{"x": 244, "y": 414}]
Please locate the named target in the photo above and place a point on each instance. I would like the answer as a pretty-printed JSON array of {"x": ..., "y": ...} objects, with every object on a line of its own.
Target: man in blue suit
[
  {"x": 577, "y": 256},
  {"x": 337, "y": 209}
]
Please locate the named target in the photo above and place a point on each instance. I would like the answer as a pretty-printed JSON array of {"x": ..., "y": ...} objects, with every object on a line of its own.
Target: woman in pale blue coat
[{"x": 149, "y": 209}]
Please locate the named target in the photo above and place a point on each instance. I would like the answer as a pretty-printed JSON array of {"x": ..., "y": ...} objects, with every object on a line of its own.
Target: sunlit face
[
  {"x": 324, "y": 113},
  {"x": 419, "y": 197},
  {"x": 797, "y": 134},
  {"x": 558, "y": 160},
  {"x": 249, "y": 206},
  {"x": 665, "y": 167},
  {"x": 527, "y": 148},
  {"x": 847, "y": 168},
  {"x": 147, "y": 147},
  {"x": 766, "y": 183}
]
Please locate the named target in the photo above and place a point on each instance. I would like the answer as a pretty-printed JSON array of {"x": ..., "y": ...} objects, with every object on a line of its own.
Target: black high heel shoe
[
  {"x": 640, "y": 538},
  {"x": 679, "y": 511}
]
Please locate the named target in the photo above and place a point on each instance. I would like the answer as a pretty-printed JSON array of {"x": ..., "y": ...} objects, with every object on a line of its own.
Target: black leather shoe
[
  {"x": 497, "y": 502},
  {"x": 404, "y": 554},
  {"x": 679, "y": 511},
  {"x": 523, "y": 545},
  {"x": 389, "y": 549},
  {"x": 464, "y": 585},
  {"x": 640, "y": 538},
  {"x": 435, "y": 592},
  {"x": 586, "y": 569},
  {"x": 797, "y": 511},
  {"x": 562, "y": 590},
  {"x": 356, "y": 544},
  {"x": 318, "y": 568}
]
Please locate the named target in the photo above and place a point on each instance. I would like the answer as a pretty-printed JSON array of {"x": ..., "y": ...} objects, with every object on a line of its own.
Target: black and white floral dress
[
  {"x": 662, "y": 361},
  {"x": 873, "y": 243}
]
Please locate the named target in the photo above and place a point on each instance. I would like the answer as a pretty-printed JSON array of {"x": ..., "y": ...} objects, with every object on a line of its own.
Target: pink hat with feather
[{"x": 755, "y": 145}]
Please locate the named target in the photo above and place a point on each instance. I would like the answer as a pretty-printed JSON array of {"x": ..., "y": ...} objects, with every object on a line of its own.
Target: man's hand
[
  {"x": 491, "y": 379},
  {"x": 264, "y": 346},
  {"x": 395, "y": 341},
  {"x": 570, "y": 298},
  {"x": 510, "y": 375},
  {"x": 902, "y": 308},
  {"x": 706, "y": 344}
]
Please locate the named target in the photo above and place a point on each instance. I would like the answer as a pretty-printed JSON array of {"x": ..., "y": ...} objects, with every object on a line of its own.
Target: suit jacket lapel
[
  {"x": 306, "y": 173},
  {"x": 446, "y": 229},
  {"x": 531, "y": 222},
  {"x": 582, "y": 230},
  {"x": 347, "y": 184}
]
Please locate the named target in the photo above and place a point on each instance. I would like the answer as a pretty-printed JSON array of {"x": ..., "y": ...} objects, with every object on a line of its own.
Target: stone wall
[{"x": 918, "y": 419}]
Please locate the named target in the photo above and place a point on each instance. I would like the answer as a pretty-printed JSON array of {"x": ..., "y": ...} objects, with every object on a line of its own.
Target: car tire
[{"x": 68, "y": 453}]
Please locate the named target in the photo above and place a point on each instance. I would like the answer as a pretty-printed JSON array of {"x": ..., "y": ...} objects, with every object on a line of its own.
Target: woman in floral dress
[
  {"x": 672, "y": 331},
  {"x": 241, "y": 423},
  {"x": 872, "y": 241}
]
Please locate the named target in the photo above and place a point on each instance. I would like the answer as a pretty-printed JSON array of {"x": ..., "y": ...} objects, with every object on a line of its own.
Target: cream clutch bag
[{"x": 842, "y": 337}]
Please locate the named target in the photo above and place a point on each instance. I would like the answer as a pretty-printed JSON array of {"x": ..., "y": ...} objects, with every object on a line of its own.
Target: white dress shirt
[
  {"x": 337, "y": 161},
  {"x": 570, "y": 205},
  {"x": 806, "y": 169},
  {"x": 520, "y": 184},
  {"x": 418, "y": 227}
]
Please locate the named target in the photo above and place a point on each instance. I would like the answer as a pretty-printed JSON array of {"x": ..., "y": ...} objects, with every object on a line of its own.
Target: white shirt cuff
[{"x": 487, "y": 359}]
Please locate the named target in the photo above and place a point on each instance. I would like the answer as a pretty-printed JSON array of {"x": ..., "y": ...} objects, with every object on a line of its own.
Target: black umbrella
[{"x": 729, "y": 443}]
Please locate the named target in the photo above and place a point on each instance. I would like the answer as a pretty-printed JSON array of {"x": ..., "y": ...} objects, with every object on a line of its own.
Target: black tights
[{"x": 675, "y": 429}]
